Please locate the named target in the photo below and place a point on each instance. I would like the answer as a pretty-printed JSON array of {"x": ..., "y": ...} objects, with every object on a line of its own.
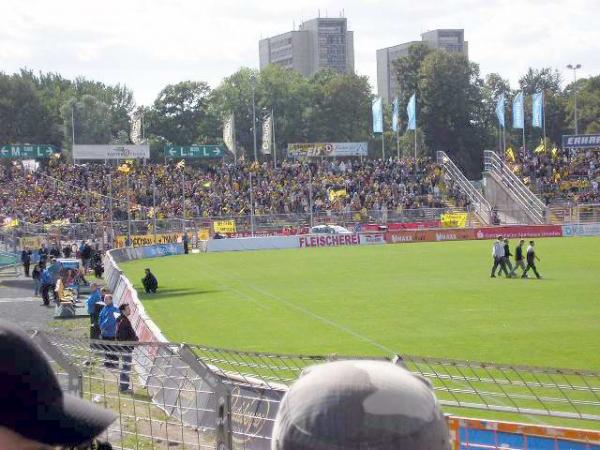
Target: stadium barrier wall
[{"x": 254, "y": 401}]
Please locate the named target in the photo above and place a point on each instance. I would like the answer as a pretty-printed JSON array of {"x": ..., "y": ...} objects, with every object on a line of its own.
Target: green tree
[
  {"x": 178, "y": 111},
  {"x": 588, "y": 106},
  {"x": 91, "y": 118}
]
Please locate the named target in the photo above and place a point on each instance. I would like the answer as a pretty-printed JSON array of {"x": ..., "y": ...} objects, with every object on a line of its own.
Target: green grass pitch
[{"x": 429, "y": 299}]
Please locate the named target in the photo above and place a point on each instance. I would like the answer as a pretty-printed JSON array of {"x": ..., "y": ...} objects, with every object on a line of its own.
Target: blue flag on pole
[
  {"x": 377, "y": 115},
  {"x": 518, "y": 113},
  {"x": 500, "y": 105},
  {"x": 538, "y": 109},
  {"x": 395, "y": 114},
  {"x": 411, "y": 111}
]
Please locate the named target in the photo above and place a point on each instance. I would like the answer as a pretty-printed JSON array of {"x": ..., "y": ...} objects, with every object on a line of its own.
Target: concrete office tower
[
  {"x": 323, "y": 43},
  {"x": 452, "y": 41}
]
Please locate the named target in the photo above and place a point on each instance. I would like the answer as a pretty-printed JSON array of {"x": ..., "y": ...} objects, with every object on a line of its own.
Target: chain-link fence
[{"x": 190, "y": 396}]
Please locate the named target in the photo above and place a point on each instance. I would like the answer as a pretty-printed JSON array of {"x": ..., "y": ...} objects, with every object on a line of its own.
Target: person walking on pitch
[
  {"x": 498, "y": 255},
  {"x": 531, "y": 258},
  {"x": 519, "y": 259},
  {"x": 507, "y": 255}
]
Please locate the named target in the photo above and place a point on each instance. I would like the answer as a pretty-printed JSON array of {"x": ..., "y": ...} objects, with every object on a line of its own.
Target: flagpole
[
  {"x": 251, "y": 205},
  {"x": 398, "y": 142},
  {"x": 544, "y": 117},
  {"x": 154, "y": 206},
  {"x": 383, "y": 145},
  {"x": 415, "y": 149},
  {"x": 274, "y": 142},
  {"x": 183, "y": 199}
]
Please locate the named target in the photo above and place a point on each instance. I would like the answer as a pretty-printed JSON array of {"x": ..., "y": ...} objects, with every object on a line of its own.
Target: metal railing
[
  {"x": 479, "y": 204},
  {"x": 194, "y": 396},
  {"x": 534, "y": 208}
]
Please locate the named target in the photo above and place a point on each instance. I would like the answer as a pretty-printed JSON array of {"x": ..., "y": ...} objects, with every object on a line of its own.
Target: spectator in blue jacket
[
  {"x": 95, "y": 297},
  {"x": 108, "y": 330},
  {"x": 54, "y": 268},
  {"x": 47, "y": 284}
]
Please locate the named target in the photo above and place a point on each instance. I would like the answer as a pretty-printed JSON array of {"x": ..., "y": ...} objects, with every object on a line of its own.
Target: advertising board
[
  {"x": 224, "y": 226},
  {"x": 372, "y": 238},
  {"x": 324, "y": 149},
  {"x": 581, "y": 229},
  {"x": 117, "y": 151},
  {"x": 519, "y": 231},
  {"x": 332, "y": 240},
  {"x": 429, "y": 235},
  {"x": 139, "y": 240}
]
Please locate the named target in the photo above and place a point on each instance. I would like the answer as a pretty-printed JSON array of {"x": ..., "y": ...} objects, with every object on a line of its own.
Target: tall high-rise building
[
  {"x": 452, "y": 41},
  {"x": 322, "y": 43}
]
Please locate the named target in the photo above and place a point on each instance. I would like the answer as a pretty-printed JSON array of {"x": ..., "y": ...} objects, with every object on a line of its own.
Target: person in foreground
[
  {"x": 150, "y": 282},
  {"x": 373, "y": 405},
  {"x": 34, "y": 412}
]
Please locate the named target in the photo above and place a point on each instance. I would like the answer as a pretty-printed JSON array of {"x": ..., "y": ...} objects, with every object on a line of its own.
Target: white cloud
[{"x": 147, "y": 44}]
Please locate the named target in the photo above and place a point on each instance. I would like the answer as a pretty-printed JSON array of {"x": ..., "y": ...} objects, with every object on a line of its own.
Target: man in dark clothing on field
[
  {"x": 43, "y": 254},
  {"x": 186, "y": 243},
  {"x": 26, "y": 260},
  {"x": 125, "y": 333},
  {"x": 507, "y": 255},
  {"x": 519, "y": 259},
  {"x": 531, "y": 258},
  {"x": 150, "y": 282}
]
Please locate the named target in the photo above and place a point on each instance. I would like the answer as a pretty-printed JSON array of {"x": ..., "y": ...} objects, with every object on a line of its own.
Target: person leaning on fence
[
  {"x": 34, "y": 412},
  {"x": 373, "y": 405},
  {"x": 108, "y": 330},
  {"x": 498, "y": 255},
  {"x": 150, "y": 282},
  {"x": 125, "y": 333}
]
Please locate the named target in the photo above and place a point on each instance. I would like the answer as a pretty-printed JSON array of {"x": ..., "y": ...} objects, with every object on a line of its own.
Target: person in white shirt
[{"x": 498, "y": 255}]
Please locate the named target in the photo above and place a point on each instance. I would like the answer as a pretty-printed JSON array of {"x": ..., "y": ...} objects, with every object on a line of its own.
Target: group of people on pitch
[{"x": 501, "y": 254}]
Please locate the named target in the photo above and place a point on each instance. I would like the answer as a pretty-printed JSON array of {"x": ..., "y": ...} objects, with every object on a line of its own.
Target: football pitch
[{"x": 427, "y": 299}]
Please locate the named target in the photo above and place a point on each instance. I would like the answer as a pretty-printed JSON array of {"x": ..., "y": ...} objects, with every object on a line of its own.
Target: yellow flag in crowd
[
  {"x": 510, "y": 154},
  {"x": 124, "y": 168},
  {"x": 151, "y": 213},
  {"x": 207, "y": 184},
  {"x": 540, "y": 148},
  {"x": 335, "y": 194},
  {"x": 554, "y": 152},
  {"x": 11, "y": 223},
  {"x": 181, "y": 164}
]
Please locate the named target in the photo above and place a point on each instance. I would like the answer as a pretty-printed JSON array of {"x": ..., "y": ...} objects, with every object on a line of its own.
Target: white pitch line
[{"x": 312, "y": 314}]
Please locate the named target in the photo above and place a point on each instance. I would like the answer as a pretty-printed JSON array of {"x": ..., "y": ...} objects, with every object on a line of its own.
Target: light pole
[
  {"x": 253, "y": 84},
  {"x": 574, "y": 69}
]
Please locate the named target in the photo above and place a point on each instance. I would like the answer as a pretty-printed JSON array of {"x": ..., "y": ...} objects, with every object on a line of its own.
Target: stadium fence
[{"x": 195, "y": 396}]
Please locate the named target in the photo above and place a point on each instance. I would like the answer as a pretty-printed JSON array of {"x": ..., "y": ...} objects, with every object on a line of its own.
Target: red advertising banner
[
  {"x": 393, "y": 226},
  {"x": 334, "y": 240},
  {"x": 519, "y": 231},
  {"x": 462, "y": 234}
]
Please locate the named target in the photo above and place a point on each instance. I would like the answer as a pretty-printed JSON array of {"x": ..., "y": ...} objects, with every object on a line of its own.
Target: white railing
[
  {"x": 479, "y": 204},
  {"x": 535, "y": 209}
]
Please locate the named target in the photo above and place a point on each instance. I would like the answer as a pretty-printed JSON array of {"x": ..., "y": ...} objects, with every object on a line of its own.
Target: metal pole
[
  {"x": 183, "y": 199},
  {"x": 72, "y": 126},
  {"x": 416, "y": 164},
  {"x": 575, "y": 93},
  {"x": 254, "y": 118},
  {"x": 273, "y": 133},
  {"x": 398, "y": 143},
  {"x": 154, "y": 206},
  {"x": 383, "y": 146},
  {"x": 544, "y": 118},
  {"x": 251, "y": 206},
  {"x": 110, "y": 206},
  {"x": 310, "y": 197},
  {"x": 128, "y": 214}
]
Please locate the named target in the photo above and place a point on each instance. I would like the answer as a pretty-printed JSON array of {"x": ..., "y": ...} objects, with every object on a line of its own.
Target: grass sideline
[{"x": 430, "y": 299}]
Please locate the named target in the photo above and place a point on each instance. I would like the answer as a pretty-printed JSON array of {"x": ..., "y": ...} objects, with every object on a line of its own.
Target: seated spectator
[
  {"x": 150, "y": 282},
  {"x": 63, "y": 294},
  {"x": 360, "y": 405},
  {"x": 34, "y": 411}
]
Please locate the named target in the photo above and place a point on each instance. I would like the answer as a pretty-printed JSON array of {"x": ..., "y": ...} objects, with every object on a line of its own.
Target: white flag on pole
[
  {"x": 267, "y": 135},
  {"x": 229, "y": 133}
]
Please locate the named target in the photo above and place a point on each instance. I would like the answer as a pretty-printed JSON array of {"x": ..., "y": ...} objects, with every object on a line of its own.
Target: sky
[{"x": 147, "y": 44}]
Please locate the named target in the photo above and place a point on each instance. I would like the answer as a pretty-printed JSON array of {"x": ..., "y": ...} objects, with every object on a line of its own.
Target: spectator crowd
[
  {"x": 560, "y": 176},
  {"x": 72, "y": 192}
]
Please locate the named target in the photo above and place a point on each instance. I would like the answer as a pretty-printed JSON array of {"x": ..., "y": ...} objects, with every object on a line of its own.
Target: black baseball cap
[{"x": 32, "y": 403}]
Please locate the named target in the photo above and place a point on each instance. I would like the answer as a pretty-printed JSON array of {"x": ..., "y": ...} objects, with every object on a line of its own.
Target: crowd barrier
[{"x": 192, "y": 384}]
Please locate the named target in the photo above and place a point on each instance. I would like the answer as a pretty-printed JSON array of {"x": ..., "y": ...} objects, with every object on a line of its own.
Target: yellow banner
[
  {"x": 454, "y": 220},
  {"x": 31, "y": 242},
  {"x": 139, "y": 240},
  {"x": 224, "y": 226}
]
